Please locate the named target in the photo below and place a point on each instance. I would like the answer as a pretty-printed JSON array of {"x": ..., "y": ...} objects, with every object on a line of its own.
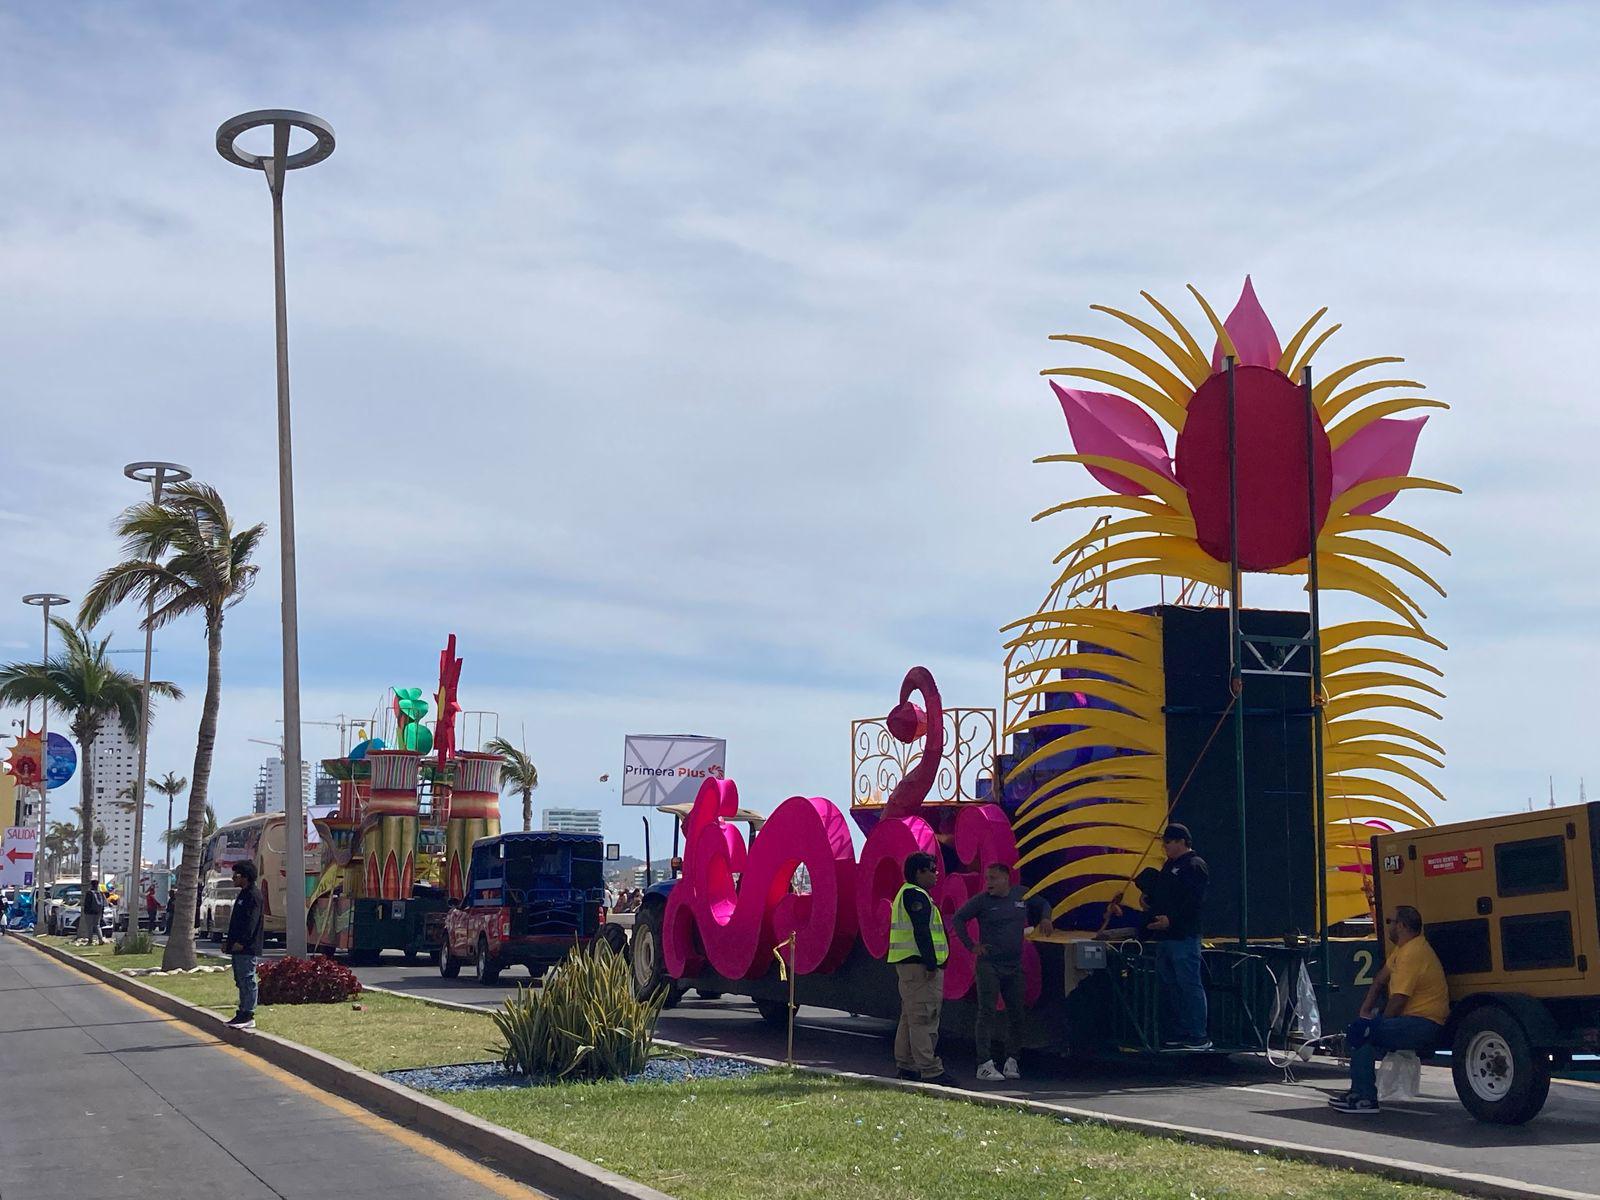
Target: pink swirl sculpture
[
  {"x": 907, "y": 722},
  {"x": 736, "y": 925}
]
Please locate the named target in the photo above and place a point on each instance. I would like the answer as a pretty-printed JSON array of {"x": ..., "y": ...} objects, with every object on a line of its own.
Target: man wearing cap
[{"x": 1173, "y": 903}]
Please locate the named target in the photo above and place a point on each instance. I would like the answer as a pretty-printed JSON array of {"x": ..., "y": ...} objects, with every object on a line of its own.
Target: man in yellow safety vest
[{"x": 918, "y": 949}]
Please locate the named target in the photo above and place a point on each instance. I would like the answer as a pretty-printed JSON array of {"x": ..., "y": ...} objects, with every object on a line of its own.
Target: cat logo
[{"x": 1393, "y": 863}]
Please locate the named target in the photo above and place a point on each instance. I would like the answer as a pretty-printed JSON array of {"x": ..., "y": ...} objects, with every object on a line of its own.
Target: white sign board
[
  {"x": 662, "y": 769},
  {"x": 17, "y": 856}
]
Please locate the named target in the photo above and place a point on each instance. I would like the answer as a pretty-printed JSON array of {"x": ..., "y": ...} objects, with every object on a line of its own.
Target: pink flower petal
[
  {"x": 1252, "y": 333},
  {"x": 1113, "y": 426},
  {"x": 1381, "y": 450}
]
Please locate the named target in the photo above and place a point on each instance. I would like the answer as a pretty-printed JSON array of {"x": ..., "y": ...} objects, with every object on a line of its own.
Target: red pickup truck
[{"x": 531, "y": 897}]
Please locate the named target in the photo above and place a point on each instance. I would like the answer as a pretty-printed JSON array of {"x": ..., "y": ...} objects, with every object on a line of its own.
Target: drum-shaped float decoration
[
  {"x": 389, "y": 830},
  {"x": 474, "y": 814}
]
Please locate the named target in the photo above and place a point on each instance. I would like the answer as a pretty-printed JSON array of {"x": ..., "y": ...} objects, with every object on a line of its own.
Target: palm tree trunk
[
  {"x": 180, "y": 937},
  {"x": 86, "y": 733},
  {"x": 527, "y": 809}
]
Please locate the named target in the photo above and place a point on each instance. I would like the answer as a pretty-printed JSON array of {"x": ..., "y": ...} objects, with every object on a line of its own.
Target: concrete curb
[
  {"x": 1461, "y": 1182},
  {"x": 522, "y": 1158}
]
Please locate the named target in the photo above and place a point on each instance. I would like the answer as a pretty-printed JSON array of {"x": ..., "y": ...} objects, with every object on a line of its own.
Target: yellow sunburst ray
[
  {"x": 1366, "y": 701},
  {"x": 1175, "y": 389},
  {"x": 1139, "y": 504},
  {"x": 1355, "y": 547},
  {"x": 1140, "y": 704},
  {"x": 1353, "y": 498},
  {"x": 1163, "y": 488},
  {"x": 1126, "y": 807},
  {"x": 1054, "y": 718},
  {"x": 1359, "y": 420},
  {"x": 1150, "y": 768},
  {"x": 1161, "y": 547},
  {"x": 1286, "y": 359},
  {"x": 1217, "y": 327},
  {"x": 1143, "y": 624},
  {"x": 1102, "y": 638},
  {"x": 1147, "y": 678},
  {"x": 1352, "y": 787},
  {"x": 1169, "y": 567},
  {"x": 1182, "y": 330},
  {"x": 1370, "y": 681},
  {"x": 1311, "y": 351},
  {"x": 1150, "y": 396},
  {"x": 1106, "y": 889},
  {"x": 1193, "y": 368},
  {"x": 1337, "y": 404},
  {"x": 1361, "y": 808},
  {"x": 1346, "y": 632},
  {"x": 1125, "y": 799},
  {"x": 1344, "y": 762},
  {"x": 1350, "y": 728},
  {"x": 1323, "y": 388},
  {"x": 1382, "y": 746},
  {"x": 1164, "y": 526},
  {"x": 1110, "y": 837},
  {"x": 1133, "y": 735},
  {"x": 1342, "y": 574},
  {"x": 1372, "y": 523},
  {"x": 1348, "y": 660}
]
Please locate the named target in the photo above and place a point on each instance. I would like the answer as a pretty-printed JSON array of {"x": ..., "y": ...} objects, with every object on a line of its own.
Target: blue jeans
[
  {"x": 244, "y": 975},
  {"x": 1183, "y": 994},
  {"x": 1368, "y": 1039}
]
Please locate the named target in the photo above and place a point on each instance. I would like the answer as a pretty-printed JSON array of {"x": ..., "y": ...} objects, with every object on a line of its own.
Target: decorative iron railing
[{"x": 878, "y": 761}]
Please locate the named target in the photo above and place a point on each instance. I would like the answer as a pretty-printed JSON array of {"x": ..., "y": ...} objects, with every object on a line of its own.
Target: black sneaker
[
  {"x": 943, "y": 1079},
  {"x": 908, "y": 1073},
  {"x": 1354, "y": 1105},
  {"x": 1184, "y": 1045},
  {"x": 242, "y": 1021}
]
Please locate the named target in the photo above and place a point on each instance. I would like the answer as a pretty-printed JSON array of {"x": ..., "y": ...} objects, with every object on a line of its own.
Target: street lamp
[
  {"x": 45, "y": 601},
  {"x": 157, "y": 475},
  {"x": 275, "y": 166}
]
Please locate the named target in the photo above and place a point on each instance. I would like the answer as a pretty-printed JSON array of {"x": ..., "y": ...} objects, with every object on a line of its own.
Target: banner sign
[
  {"x": 17, "y": 849},
  {"x": 60, "y": 761},
  {"x": 1453, "y": 862},
  {"x": 662, "y": 769}
]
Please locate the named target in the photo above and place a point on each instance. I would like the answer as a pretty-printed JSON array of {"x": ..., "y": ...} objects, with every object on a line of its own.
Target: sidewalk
[{"x": 122, "y": 1100}]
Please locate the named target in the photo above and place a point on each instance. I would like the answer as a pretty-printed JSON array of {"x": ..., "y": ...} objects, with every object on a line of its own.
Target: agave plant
[{"x": 583, "y": 1024}]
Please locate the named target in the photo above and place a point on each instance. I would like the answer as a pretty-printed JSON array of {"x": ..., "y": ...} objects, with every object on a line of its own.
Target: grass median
[{"x": 783, "y": 1135}]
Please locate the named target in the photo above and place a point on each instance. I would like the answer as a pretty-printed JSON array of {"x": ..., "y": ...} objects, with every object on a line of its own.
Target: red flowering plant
[{"x": 315, "y": 980}]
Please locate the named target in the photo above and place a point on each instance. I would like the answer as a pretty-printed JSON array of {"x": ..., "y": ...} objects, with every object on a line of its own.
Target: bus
[{"x": 257, "y": 838}]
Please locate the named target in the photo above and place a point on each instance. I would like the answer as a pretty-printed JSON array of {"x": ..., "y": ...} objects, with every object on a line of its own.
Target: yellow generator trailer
[{"x": 1509, "y": 905}]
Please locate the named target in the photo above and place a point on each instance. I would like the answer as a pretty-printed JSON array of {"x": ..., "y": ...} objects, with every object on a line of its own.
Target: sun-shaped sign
[{"x": 1360, "y": 455}]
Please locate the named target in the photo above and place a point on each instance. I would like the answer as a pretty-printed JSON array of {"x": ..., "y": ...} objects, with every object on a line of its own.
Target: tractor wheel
[
  {"x": 648, "y": 961},
  {"x": 1500, "y": 1076},
  {"x": 774, "y": 1012}
]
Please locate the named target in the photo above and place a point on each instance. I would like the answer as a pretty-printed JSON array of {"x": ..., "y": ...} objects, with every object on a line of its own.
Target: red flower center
[{"x": 1270, "y": 422}]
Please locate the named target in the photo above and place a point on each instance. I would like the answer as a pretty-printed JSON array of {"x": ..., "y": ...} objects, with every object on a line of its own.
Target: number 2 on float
[{"x": 1364, "y": 970}]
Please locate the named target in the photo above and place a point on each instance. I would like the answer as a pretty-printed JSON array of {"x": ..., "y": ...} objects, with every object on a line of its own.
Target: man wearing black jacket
[
  {"x": 1174, "y": 902},
  {"x": 245, "y": 940}
]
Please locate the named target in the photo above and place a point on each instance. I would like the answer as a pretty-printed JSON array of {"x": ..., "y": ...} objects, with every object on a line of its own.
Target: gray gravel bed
[{"x": 466, "y": 1077}]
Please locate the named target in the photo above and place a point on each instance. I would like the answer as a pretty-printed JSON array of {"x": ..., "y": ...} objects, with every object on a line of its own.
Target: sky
[{"x": 683, "y": 360}]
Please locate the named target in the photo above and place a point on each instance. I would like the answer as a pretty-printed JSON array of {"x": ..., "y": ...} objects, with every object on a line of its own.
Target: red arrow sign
[{"x": 15, "y": 854}]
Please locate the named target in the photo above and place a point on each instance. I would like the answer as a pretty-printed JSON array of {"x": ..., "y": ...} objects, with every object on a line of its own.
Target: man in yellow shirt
[{"x": 1411, "y": 1018}]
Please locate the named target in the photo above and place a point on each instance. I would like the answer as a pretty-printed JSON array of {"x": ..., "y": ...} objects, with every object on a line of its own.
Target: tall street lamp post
[
  {"x": 275, "y": 167},
  {"x": 45, "y": 601},
  {"x": 157, "y": 475}
]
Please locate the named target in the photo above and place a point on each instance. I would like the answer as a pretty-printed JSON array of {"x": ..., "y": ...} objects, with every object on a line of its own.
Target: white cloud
[{"x": 686, "y": 367}]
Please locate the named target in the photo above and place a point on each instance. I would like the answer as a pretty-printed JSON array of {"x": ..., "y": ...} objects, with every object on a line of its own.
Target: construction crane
[{"x": 343, "y": 724}]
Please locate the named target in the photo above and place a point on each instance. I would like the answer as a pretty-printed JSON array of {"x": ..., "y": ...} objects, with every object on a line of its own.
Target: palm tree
[
  {"x": 171, "y": 787},
  {"x": 101, "y": 840},
  {"x": 59, "y": 843},
  {"x": 184, "y": 556},
  {"x": 518, "y": 773},
  {"x": 81, "y": 682},
  {"x": 174, "y": 837}
]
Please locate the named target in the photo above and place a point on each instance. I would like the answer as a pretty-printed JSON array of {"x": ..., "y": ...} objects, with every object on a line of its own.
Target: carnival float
[{"x": 1283, "y": 744}]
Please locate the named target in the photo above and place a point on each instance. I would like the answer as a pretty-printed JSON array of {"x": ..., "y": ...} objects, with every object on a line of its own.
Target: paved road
[
  {"x": 1560, "y": 1149},
  {"x": 103, "y": 1096}
]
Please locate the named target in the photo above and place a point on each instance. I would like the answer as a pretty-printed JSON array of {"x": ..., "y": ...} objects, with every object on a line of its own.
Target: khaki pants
[{"x": 921, "y": 998}]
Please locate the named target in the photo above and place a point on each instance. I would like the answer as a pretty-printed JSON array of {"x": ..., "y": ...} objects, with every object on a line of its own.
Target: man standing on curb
[
  {"x": 245, "y": 941},
  {"x": 1004, "y": 915},
  {"x": 917, "y": 951},
  {"x": 90, "y": 907}
]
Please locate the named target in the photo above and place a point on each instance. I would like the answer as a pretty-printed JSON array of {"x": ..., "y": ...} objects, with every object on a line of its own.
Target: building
[
  {"x": 327, "y": 790},
  {"x": 116, "y": 765},
  {"x": 269, "y": 786},
  {"x": 572, "y": 820}
]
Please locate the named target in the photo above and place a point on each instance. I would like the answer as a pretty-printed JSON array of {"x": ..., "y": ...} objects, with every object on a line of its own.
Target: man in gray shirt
[{"x": 1004, "y": 915}]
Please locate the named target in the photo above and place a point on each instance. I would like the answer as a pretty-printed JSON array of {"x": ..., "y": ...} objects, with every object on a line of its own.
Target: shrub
[
  {"x": 134, "y": 943},
  {"x": 584, "y": 1023},
  {"x": 315, "y": 980}
]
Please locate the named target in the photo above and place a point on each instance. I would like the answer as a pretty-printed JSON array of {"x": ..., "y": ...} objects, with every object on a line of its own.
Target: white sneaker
[
  {"x": 990, "y": 1073},
  {"x": 1011, "y": 1070}
]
